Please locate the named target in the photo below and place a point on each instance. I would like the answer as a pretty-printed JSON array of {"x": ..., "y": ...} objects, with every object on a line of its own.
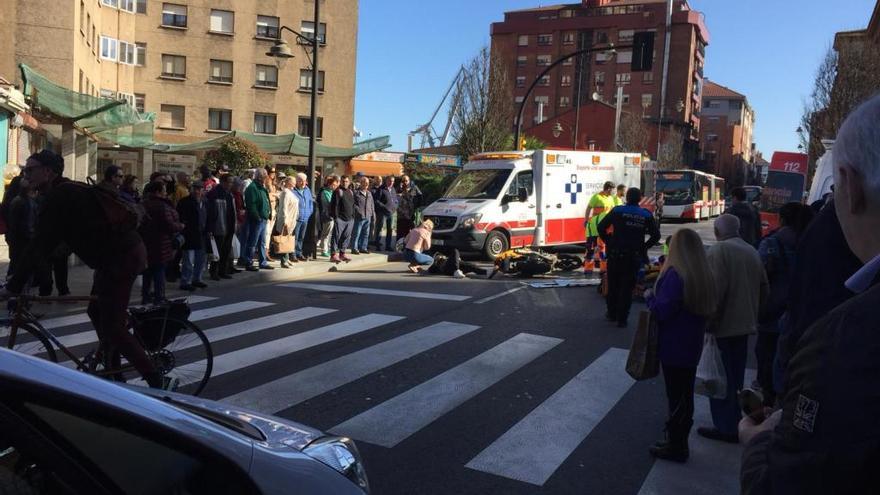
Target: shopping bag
[
  {"x": 642, "y": 362},
  {"x": 214, "y": 253},
  {"x": 282, "y": 244},
  {"x": 236, "y": 248},
  {"x": 711, "y": 376}
]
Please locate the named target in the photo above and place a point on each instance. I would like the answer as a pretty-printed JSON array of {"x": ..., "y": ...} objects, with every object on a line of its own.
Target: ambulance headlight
[{"x": 468, "y": 221}]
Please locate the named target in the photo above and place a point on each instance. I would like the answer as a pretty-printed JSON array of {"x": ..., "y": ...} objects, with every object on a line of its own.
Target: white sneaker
[{"x": 458, "y": 274}]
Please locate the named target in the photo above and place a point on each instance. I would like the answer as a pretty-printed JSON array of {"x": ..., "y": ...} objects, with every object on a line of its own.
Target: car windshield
[{"x": 478, "y": 184}]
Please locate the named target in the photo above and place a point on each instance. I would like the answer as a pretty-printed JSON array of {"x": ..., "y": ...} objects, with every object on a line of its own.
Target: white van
[{"x": 525, "y": 198}]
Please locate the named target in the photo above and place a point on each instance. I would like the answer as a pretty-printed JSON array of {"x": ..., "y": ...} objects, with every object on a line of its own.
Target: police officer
[{"x": 623, "y": 231}]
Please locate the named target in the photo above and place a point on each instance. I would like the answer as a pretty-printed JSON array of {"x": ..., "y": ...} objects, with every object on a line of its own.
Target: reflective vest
[{"x": 599, "y": 206}]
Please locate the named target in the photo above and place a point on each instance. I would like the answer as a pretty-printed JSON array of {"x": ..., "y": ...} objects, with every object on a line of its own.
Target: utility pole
[
  {"x": 618, "y": 111},
  {"x": 665, "y": 75}
]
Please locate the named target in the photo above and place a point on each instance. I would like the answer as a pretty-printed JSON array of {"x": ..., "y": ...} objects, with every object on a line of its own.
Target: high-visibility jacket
[
  {"x": 618, "y": 201},
  {"x": 598, "y": 207}
]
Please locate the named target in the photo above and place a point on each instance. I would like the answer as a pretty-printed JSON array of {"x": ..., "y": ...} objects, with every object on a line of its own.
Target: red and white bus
[
  {"x": 786, "y": 182},
  {"x": 686, "y": 194}
]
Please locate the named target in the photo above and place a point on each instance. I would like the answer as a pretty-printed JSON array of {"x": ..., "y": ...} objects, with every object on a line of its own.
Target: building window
[
  {"x": 82, "y": 18},
  {"x": 172, "y": 116},
  {"x": 648, "y": 77},
  {"x": 711, "y": 138},
  {"x": 714, "y": 104},
  {"x": 109, "y": 48},
  {"x": 564, "y": 101},
  {"x": 544, "y": 81},
  {"x": 523, "y": 40},
  {"x": 602, "y": 57},
  {"x": 80, "y": 87},
  {"x": 111, "y": 3},
  {"x": 173, "y": 15},
  {"x": 518, "y": 99},
  {"x": 219, "y": 120},
  {"x": 267, "y": 76},
  {"x": 127, "y": 5},
  {"x": 264, "y": 123},
  {"x": 94, "y": 38},
  {"x": 647, "y": 100},
  {"x": 565, "y": 80},
  {"x": 107, "y": 93},
  {"x": 568, "y": 39},
  {"x": 566, "y": 13},
  {"x": 221, "y": 71},
  {"x": 625, "y": 57},
  {"x": 623, "y": 78},
  {"x": 222, "y": 21},
  {"x": 544, "y": 60},
  {"x": 545, "y": 39},
  {"x": 89, "y": 32},
  {"x": 267, "y": 27},
  {"x": 305, "y": 126},
  {"x": 568, "y": 61},
  {"x": 127, "y": 53},
  {"x": 625, "y": 100},
  {"x": 307, "y": 28},
  {"x": 173, "y": 66},
  {"x": 542, "y": 99},
  {"x": 139, "y": 102},
  {"x": 521, "y": 61},
  {"x": 141, "y": 6},
  {"x": 140, "y": 54},
  {"x": 601, "y": 37},
  {"x": 715, "y": 119},
  {"x": 625, "y": 35},
  {"x": 600, "y": 79},
  {"x": 305, "y": 79},
  {"x": 520, "y": 81}
]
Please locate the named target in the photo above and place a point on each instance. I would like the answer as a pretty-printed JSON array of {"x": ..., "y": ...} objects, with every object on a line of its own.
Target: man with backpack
[{"x": 101, "y": 229}]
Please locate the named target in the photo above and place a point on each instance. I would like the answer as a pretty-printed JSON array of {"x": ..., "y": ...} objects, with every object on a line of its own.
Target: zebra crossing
[{"x": 530, "y": 451}]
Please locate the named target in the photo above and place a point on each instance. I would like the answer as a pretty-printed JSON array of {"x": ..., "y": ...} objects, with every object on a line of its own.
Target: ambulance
[{"x": 525, "y": 198}]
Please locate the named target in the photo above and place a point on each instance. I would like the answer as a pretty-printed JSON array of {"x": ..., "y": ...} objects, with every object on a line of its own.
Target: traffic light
[{"x": 643, "y": 52}]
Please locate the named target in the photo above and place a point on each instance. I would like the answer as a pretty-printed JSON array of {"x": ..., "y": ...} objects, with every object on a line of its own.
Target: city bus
[
  {"x": 685, "y": 194},
  {"x": 786, "y": 182}
]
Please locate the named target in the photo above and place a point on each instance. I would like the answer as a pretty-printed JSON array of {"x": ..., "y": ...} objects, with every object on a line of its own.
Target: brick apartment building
[
  {"x": 726, "y": 133},
  {"x": 529, "y": 40}
]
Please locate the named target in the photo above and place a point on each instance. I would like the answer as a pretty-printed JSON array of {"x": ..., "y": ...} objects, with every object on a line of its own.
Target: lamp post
[{"x": 281, "y": 51}]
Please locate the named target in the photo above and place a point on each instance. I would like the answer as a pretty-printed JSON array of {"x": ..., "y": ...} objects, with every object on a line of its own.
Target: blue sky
[{"x": 409, "y": 51}]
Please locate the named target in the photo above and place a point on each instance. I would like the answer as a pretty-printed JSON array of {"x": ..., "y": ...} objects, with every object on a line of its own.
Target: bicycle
[{"x": 176, "y": 346}]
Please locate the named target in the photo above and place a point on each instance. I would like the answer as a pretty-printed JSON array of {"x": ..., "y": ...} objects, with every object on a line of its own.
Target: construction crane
[{"x": 429, "y": 136}]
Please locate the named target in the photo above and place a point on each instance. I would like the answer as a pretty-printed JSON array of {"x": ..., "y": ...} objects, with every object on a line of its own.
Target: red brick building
[
  {"x": 527, "y": 41},
  {"x": 592, "y": 130},
  {"x": 726, "y": 133}
]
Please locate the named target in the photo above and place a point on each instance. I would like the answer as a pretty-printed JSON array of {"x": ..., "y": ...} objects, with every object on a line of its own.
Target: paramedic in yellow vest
[
  {"x": 620, "y": 199},
  {"x": 600, "y": 204}
]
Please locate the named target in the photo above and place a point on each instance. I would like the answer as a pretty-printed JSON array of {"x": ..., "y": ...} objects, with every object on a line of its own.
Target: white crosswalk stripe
[
  {"x": 292, "y": 389},
  {"x": 396, "y": 419},
  {"x": 80, "y": 318},
  {"x": 377, "y": 292}
]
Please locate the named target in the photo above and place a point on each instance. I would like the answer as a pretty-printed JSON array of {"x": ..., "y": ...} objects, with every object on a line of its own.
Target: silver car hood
[{"x": 279, "y": 432}]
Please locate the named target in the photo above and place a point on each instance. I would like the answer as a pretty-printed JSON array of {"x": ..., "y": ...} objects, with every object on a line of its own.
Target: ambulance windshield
[{"x": 478, "y": 184}]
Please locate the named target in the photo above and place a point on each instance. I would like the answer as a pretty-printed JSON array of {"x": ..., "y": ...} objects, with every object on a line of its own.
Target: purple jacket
[{"x": 680, "y": 332}]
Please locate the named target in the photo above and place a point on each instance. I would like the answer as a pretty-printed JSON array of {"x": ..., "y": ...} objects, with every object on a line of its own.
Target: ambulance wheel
[{"x": 496, "y": 243}]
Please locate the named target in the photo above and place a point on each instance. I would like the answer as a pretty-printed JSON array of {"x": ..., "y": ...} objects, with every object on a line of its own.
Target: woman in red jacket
[{"x": 158, "y": 231}]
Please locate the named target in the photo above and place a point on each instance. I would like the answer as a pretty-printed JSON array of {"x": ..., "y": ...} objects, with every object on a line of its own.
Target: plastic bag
[
  {"x": 711, "y": 376},
  {"x": 214, "y": 253},
  {"x": 236, "y": 248}
]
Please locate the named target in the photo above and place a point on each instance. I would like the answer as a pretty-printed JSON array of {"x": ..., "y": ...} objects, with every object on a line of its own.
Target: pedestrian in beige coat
[{"x": 286, "y": 214}]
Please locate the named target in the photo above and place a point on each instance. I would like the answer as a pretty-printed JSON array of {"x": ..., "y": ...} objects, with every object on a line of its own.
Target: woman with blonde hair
[
  {"x": 285, "y": 222},
  {"x": 681, "y": 303},
  {"x": 418, "y": 240}
]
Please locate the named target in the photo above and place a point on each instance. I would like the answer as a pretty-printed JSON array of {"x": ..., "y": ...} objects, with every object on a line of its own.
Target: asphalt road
[{"x": 456, "y": 386}]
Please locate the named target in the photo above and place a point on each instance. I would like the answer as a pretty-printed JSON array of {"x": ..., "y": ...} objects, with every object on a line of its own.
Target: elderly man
[
  {"x": 385, "y": 199},
  {"x": 259, "y": 211},
  {"x": 826, "y": 438},
  {"x": 306, "y": 208},
  {"x": 742, "y": 286}
]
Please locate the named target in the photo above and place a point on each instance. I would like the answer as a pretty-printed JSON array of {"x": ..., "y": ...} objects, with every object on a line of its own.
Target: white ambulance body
[{"x": 528, "y": 198}]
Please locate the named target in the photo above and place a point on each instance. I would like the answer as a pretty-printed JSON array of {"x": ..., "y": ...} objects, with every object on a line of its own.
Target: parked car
[{"x": 62, "y": 431}]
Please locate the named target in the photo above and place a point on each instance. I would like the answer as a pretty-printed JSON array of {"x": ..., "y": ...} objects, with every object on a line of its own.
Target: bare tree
[
  {"x": 482, "y": 120},
  {"x": 671, "y": 151},
  {"x": 633, "y": 134}
]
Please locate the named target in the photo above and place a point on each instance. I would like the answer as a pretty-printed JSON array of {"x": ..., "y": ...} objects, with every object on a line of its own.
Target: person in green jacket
[
  {"x": 600, "y": 204},
  {"x": 256, "y": 202}
]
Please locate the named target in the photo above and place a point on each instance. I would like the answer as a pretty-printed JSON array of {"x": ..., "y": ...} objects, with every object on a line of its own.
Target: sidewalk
[{"x": 80, "y": 279}]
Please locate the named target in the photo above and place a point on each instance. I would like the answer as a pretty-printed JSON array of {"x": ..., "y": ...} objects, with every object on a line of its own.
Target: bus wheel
[{"x": 496, "y": 243}]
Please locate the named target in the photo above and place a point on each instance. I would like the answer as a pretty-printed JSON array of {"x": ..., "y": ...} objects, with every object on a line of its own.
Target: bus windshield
[
  {"x": 478, "y": 184},
  {"x": 677, "y": 189}
]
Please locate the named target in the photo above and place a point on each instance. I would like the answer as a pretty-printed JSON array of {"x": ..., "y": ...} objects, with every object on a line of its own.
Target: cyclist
[{"x": 101, "y": 229}]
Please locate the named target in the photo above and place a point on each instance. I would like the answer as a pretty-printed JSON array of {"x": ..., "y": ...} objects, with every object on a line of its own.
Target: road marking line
[
  {"x": 377, "y": 292},
  {"x": 713, "y": 467},
  {"x": 89, "y": 336},
  {"x": 396, "y": 419},
  {"x": 236, "y": 360},
  {"x": 537, "y": 445},
  {"x": 66, "y": 321},
  {"x": 496, "y": 296},
  {"x": 293, "y": 389}
]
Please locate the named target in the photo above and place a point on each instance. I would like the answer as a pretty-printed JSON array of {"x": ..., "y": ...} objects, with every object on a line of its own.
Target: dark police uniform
[{"x": 626, "y": 249}]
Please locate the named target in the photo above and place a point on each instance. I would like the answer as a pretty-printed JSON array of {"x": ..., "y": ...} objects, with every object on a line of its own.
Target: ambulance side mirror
[{"x": 522, "y": 195}]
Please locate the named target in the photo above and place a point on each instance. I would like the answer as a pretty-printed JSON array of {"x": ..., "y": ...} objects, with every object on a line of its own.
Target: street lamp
[{"x": 281, "y": 51}]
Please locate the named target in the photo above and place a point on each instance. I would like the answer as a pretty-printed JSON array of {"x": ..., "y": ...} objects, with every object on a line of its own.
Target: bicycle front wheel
[
  {"x": 29, "y": 339},
  {"x": 180, "y": 351}
]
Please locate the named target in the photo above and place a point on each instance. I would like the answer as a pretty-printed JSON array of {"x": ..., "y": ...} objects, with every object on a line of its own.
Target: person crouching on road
[
  {"x": 682, "y": 300},
  {"x": 418, "y": 240},
  {"x": 158, "y": 232},
  {"x": 193, "y": 211}
]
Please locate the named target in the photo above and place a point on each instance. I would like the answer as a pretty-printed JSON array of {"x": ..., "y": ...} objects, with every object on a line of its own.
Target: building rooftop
[{"x": 715, "y": 90}]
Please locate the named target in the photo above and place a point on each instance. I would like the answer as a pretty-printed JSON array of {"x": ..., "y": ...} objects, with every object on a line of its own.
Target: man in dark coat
[
  {"x": 342, "y": 211},
  {"x": 386, "y": 208},
  {"x": 826, "y": 437},
  {"x": 749, "y": 218},
  {"x": 194, "y": 214},
  {"x": 221, "y": 225}
]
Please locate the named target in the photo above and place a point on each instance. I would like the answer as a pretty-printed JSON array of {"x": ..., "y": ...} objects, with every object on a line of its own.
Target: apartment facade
[
  {"x": 200, "y": 65},
  {"x": 528, "y": 41},
  {"x": 726, "y": 133}
]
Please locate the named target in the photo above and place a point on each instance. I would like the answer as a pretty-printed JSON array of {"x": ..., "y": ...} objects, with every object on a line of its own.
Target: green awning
[{"x": 285, "y": 144}]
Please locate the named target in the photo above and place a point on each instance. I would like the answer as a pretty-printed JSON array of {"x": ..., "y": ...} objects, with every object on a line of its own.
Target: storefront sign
[
  {"x": 433, "y": 160},
  {"x": 299, "y": 161},
  {"x": 173, "y": 164},
  {"x": 118, "y": 155},
  {"x": 382, "y": 156}
]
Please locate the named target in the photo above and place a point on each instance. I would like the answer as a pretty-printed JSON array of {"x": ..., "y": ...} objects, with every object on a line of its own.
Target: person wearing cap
[
  {"x": 193, "y": 212},
  {"x": 208, "y": 179},
  {"x": 103, "y": 234}
]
